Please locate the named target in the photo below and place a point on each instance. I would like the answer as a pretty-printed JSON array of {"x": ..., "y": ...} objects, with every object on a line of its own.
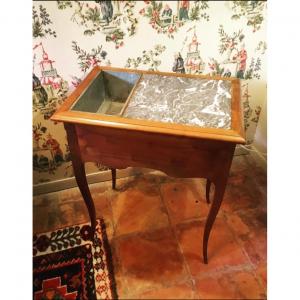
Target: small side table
[{"x": 184, "y": 125}]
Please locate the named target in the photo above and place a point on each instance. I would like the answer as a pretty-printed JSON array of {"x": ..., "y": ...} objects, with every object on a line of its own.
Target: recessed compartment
[{"x": 107, "y": 93}]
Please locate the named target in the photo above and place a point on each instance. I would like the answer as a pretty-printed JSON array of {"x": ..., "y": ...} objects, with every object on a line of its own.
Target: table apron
[{"x": 177, "y": 156}]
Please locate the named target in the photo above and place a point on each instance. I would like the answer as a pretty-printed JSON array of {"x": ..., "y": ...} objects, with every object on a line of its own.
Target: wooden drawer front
[{"x": 175, "y": 155}]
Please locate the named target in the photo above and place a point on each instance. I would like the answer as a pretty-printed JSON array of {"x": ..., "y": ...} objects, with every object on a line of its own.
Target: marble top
[{"x": 191, "y": 101}]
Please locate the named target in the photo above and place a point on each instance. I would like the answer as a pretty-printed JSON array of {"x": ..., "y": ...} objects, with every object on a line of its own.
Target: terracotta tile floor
[{"x": 155, "y": 226}]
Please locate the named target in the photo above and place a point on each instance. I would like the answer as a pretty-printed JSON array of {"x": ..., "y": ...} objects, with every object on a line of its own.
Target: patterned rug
[{"x": 68, "y": 266}]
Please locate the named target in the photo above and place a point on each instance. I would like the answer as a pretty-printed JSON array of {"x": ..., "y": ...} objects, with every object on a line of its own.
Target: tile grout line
[
  {"x": 167, "y": 285},
  {"x": 114, "y": 247},
  {"x": 190, "y": 277},
  {"x": 252, "y": 269},
  {"x": 138, "y": 233}
]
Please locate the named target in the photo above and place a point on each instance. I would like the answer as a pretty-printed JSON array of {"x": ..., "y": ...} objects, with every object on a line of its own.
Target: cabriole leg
[
  {"x": 113, "y": 176},
  {"x": 80, "y": 175},
  {"x": 214, "y": 209},
  {"x": 208, "y": 184}
]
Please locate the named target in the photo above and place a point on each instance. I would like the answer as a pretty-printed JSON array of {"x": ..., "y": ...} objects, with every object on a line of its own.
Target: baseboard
[
  {"x": 67, "y": 183},
  {"x": 240, "y": 151},
  {"x": 261, "y": 157}
]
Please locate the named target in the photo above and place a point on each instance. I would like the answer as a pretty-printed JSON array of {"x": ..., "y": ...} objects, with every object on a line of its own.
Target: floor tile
[
  {"x": 121, "y": 282},
  {"x": 250, "y": 226},
  {"x": 138, "y": 208},
  {"x": 68, "y": 213},
  {"x": 70, "y": 195},
  {"x": 235, "y": 285},
  {"x": 247, "y": 285},
  {"x": 261, "y": 271},
  {"x": 236, "y": 224},
  {"x": 223, "y": 250},
  {"x": 184, "y": 200},
  {"x": 256, "y": 247},
  {"x": 103, "y": 210},
  {"x": 45, "y": 199},
  {"x": 40, "y": 219},
  {"x": 150, "y": 260},
  {"x": 216, "y": 287},
  {"x": 177, "y": 291},
  {"x": 237, "y": 198}
]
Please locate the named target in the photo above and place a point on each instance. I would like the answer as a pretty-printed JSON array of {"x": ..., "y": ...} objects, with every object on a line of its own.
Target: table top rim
[{"x": 236, "y": 134}]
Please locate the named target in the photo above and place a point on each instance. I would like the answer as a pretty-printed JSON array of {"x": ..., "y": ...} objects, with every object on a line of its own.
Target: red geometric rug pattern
[{"x": 68, "y": 265}]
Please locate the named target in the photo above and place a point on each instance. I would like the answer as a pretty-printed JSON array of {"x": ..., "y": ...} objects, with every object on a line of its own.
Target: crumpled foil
[{"x": 191, "y": 101}]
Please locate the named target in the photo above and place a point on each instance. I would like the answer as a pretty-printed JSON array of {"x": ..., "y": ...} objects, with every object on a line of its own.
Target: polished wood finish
[
  {"x": 220, "y": 184},
  {"x": 113, "y": 178},
  {"x": 130, "y": 95},
  {"x": 208, "y": 184},
  {"x": 119, "y": 149},
  {"x": 80, "y": 176},
  {"x": 235, "y": 134},
  {"x": 178, "y": 150}
]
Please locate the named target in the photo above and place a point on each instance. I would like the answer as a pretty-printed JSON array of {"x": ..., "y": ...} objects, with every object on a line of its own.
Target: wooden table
[{"x": 116, "y": 141}]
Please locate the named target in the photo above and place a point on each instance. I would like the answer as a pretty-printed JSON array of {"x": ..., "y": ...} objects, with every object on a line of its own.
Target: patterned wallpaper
[{"x": 227, "y": 38}]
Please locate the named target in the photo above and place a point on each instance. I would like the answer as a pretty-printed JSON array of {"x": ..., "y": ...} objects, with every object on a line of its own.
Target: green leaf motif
[
  {"x": 251, "y": 10},
  {"x": 149, "y": 58},
  {"x": 39, "y": 22}
]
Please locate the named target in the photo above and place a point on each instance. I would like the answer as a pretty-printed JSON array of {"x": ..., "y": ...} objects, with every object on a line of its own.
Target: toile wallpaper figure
[
  {"x": 194, "y": 62},
  {"x": 47, "y": 152},
  {"x": 53, "y": 145},
  {"x": 167, "y": 12},
  {"x": 184, "y": 10},
  {"x": 236, "y": 47},
  {"x": 241, "y": 59},
  {"x": 106, "y": 10},
  {"x": 230, "y": 50},
  {"x": 166, "y": 16},
  {"x": 49, "y": 88},
  {"x": 235, "y": 55},
  {"x": 178, "y": 65},
  {"x": 40, "y": 96}
]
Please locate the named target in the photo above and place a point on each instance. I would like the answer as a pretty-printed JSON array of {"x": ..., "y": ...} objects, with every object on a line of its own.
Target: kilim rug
[{"x": 68, "y": 266}]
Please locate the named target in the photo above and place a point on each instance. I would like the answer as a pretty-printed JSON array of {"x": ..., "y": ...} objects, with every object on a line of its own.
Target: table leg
[
  {"x": 113, "y": 176},
  {"x": 208, "y": 184},
  {"x": 220, "y": 180},
  {"x": 80, "y": 175},
  {"x": 218, "y": 197}
]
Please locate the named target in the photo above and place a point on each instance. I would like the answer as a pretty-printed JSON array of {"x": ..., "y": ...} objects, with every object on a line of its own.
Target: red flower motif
[
  {"x": 93, "y": 61},
  {"x": 155, "y": 15}
]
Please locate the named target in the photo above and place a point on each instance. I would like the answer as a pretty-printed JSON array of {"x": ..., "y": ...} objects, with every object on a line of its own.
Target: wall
[
  {"x": 206, "y": 37},
  {"x": 260, "y": 138}
]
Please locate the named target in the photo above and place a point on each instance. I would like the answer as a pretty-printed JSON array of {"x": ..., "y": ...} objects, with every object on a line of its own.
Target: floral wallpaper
[{"x": 227, "y": 38}]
